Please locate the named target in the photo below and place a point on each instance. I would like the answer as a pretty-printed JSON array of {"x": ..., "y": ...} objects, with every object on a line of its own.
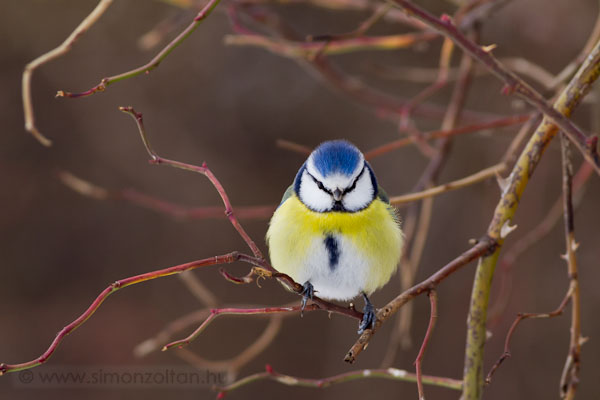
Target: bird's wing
[
  {"x": 288, "y": 193},
  {"x": 382, "y": 195}
]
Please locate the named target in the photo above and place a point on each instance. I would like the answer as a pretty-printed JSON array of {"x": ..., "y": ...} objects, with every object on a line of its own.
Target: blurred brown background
[{"x": 227, "y": 106}]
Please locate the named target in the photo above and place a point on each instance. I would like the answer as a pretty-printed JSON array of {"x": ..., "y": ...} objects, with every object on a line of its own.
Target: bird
[{"x": 335, "y": 231}]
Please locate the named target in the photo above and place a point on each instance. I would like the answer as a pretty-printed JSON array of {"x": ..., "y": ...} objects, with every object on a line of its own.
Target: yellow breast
[{"x": 373, "y": 232}]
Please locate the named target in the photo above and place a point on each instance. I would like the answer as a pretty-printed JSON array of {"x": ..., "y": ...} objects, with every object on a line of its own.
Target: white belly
[{"x": 343, "y": 279}]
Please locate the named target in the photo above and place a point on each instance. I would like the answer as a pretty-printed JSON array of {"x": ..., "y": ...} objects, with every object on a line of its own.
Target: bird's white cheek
[
  {"x": 312, "y": 196},
  {"x": 361, "y": 196}
]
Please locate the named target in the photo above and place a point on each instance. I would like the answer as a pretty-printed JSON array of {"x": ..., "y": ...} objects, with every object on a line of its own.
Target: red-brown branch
[
  {"x": 520, "y": 317},
  {"x": 496, "y": 123},
  {"x": 59, "y": 51},
  {"x": 570, "y": 375},
  {"x": 110, "y": 289},
  {"x": 152, "y": 64},
  {"x": 385, "y": 373},
  {"x": 533, "y": 237},
  {"x": 216, "y": 312},
  {"x": 140, "y": 199},
  {"x": 204, "y": 170},
  {"x": 317, "y": 303},
  {"x": 484, "y": 246},
  {"x": 419, "y": 360},
  {"x": 513, "y": 84}
]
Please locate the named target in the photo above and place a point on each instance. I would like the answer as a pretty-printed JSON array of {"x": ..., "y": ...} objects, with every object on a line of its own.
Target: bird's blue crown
[{"x": 336, "y": 156}]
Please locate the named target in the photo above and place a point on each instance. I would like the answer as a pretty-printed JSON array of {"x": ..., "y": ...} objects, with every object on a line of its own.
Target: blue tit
[{"x": 335, "y": 231}]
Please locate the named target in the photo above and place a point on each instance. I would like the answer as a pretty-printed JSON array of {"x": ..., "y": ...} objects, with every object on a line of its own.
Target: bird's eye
[
  {"x": 353, "y": 186},
  {"x": 319, "y": 183}
]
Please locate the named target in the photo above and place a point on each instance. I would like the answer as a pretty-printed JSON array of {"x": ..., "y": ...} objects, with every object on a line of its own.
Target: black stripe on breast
[{"x": 331, "y": 244}]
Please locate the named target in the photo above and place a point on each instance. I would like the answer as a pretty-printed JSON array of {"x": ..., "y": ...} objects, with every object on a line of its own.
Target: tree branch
[
  {"x": 432, "y": 319},
  {"x": 505, "y": 210},
  {"x": 235, "y": 363},
  {"x": 484, "y": 246},
  {"x": 152, "y": 64},
  {"x": 444, "y": 25},
  {"x": 457, "y": 184},
  {"x": 443, "y": 133},
  {"x": 204, "y": 170},
  {"x": 342, "y": 46},
  {"x": 520, "y": 317},
  {"x": 49, "y": 56},
  {"x": 387, "y": 373},
  {"x": 264, "y": 269},
  {"x": 436, "y": 134},
  {"x": 113, "y": 287},
  {"x": 533, "y": 237},
  {"x": 341, "y": 82},
  {"x": 570, "y": 375},
  {"x": 139, "y": 199},
  {"x": 216, "y": 312}
]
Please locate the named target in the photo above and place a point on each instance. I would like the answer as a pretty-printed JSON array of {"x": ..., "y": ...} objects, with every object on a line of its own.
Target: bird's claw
[
  {"x": 369, "y": 317},
  {"x": 308, "y": 292}
]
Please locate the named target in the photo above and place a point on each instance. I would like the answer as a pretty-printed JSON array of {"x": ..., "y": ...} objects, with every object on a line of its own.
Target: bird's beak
[{"x": 337, "y": 194}]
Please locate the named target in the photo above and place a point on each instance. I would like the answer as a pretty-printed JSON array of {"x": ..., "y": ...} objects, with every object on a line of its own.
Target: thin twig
[
  {"x": 483, "y": 246},
  {"x": 216, "y": 312},
  {"x": 49, "y": 56},
  {"x": 393, "y": 15},
  {"x": 342, "y": 46},
  {"x": 570, "y": 69},
  {"x": 512, "y": 152},
  {"x": 157, "y": 341},
  {"x": 384, "y": 104},
  {"x": 113, "y": 287},
  {"x": 444, "y": 25},
  {"x": 457, "y": 184},
  {"x": 520, "y": 317},
  {"x": 267, "y": 271},
  {"x": 162, "y": 29},
  {"x": 264, "y": 269},
  {"x": 533, "y": 237},
  {"x": 518, "y": 65},
  {"x": 430, "y": 135},
  {"x": 139, "y": 199},
  {"x": 422, "y": 219},
  {"x": 410, "y": 264},
  {"x": 164, "y": 336},
  {"x": 570, "y": 375},
  {"x": 235, "y": 363},
  {"x": 249, "y": 212},
  {"x": 419, "y": 360},
  {"x": 198, "y": 289},
  {"x": 357, "y": 33},
  {"x": 351, "y": 86},
  {"x": 499, "y": 226},
  {"x": 442, "y": 133},
  {"x": 378, "y": 13},
  {"x": 440, "y": 82},
  {"x": 468, "y": 10},
  {"x": 294, "y": 147},
  {"x": 152, "y": 64},
  {"x": 386, "y": 373},
  {"x": 204, "y": 170}
]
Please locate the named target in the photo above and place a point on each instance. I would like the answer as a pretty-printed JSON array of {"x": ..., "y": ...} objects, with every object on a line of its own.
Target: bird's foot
[
  {"x": 308, "y": 291},
  {"x": 369, "y": 317}
]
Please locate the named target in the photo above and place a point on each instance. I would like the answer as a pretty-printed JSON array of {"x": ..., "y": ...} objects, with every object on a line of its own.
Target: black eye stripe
[
  {"x": 353, "y": 186},
  {"x": 347, "y": 190},
  {"x": 319, "y": 184}
]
